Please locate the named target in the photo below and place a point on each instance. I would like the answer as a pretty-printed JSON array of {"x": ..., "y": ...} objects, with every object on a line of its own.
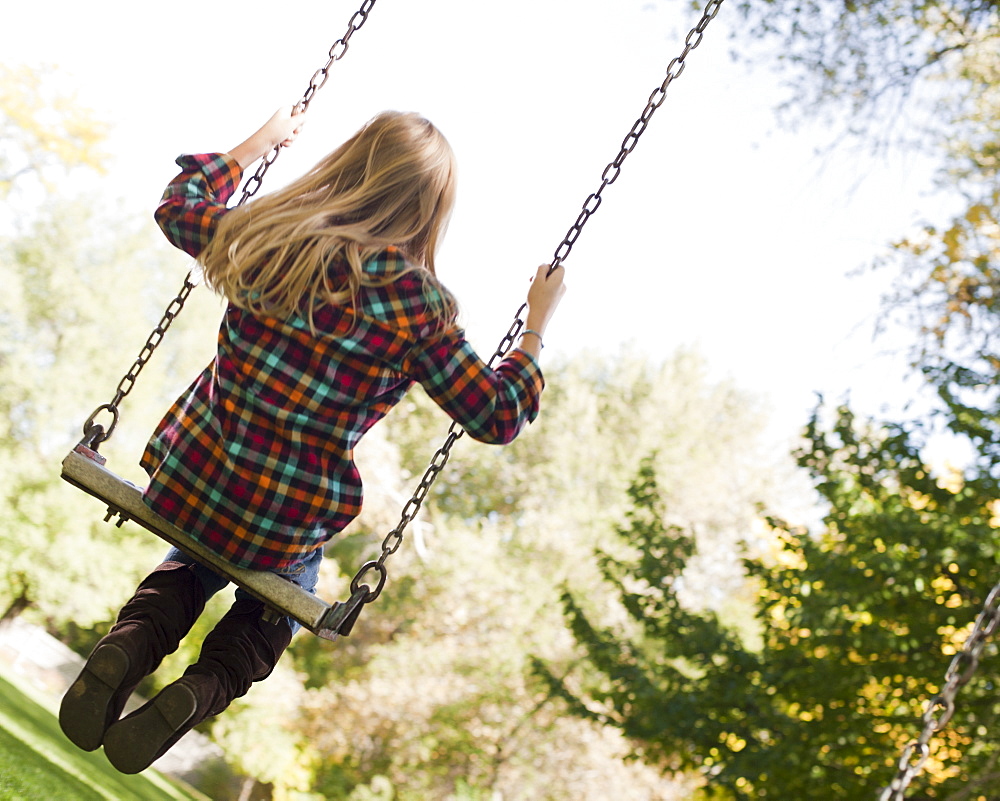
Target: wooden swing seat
[{"x": 84, "y": 468}]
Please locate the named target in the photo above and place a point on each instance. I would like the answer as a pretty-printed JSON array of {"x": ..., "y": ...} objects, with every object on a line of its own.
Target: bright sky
[{"x": 723, "y": 232}]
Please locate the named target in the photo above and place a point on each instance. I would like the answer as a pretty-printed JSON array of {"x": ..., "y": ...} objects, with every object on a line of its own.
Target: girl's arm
[
  {"x": 281, "y": 130},
  {"x": 491, "y": 405},
  {"x": 195, "y": 200}
]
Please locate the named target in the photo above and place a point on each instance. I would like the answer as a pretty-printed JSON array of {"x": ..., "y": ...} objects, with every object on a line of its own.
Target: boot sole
[
  {"x": 135, "y": 742},
  {"x": 83, "y": 713}
]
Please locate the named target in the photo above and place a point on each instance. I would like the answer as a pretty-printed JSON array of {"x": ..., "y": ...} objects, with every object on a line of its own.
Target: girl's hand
[
  {"x": 284, "y": 125},
  {"x": 543, "y": 297},
  {"x": 279, "y": 131}
]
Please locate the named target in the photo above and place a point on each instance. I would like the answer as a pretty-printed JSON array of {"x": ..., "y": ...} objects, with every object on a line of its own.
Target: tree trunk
[
  {"x": 247, "y": 789},
  {"x": 17, "y": 606}
]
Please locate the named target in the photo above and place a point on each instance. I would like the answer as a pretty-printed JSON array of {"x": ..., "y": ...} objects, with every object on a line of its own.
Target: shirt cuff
[
  {"x": 528, "y": 364},
  {"x": 221, "y": 170}
]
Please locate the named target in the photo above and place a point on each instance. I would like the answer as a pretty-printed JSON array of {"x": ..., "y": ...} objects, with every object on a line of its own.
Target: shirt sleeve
[
  {"x": 491, "y": 405},
  {"x": 195, "y": 200}
]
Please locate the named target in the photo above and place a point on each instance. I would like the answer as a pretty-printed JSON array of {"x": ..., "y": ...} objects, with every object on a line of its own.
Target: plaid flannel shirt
[{"x": 255, "y": 459}]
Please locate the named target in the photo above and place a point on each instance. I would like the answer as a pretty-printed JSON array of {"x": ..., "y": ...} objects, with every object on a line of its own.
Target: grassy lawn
[{"x": 37, "y": 763}]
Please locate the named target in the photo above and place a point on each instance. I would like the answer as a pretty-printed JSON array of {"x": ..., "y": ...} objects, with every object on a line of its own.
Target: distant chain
[
  {"x": 612, "y": 171},
  {"x": 95, "y": 434},
  {"x": 940, "y": 709},
  {"x": 395, "y": 537}
]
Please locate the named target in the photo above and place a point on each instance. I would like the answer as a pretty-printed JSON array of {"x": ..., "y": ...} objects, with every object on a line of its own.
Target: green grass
[{"x": 38, "y": 763}]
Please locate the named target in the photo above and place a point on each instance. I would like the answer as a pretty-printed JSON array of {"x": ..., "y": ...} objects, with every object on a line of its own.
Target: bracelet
[{"x": 532, "y": 331}]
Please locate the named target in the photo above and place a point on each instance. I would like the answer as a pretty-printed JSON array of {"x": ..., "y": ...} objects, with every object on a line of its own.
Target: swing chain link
[
  {"x": 95, "y": 434},
  {"x": 939, "y": 710},
  {"x": 612, "y": 171},
  {"x": 394, "y": 538},
  {"x": 318, "y": 80},
  {"x": 337, "y": 52}
]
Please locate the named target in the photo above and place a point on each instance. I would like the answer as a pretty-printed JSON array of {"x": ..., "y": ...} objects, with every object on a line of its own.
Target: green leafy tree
[
  {"x": 882, "y": 62},
  {"x": 948, "y": 290},
  {"x": 857, "y": 626},
  {"x": 65, "y": 265}
]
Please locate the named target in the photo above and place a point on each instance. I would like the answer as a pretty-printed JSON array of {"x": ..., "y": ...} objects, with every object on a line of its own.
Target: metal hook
[
  {"x": 356, "y": 584},
  {"x": 94, "y": 433}
]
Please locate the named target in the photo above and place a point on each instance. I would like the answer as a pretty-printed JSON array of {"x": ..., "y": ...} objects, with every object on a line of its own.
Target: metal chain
[
  {"x": 394, "y": 538},
  {"x": 612, "y": 171},
  {"x": 939, "y": 710},
  {"x": 318, "y": 80},
  {"x": 95, "y": 434}
]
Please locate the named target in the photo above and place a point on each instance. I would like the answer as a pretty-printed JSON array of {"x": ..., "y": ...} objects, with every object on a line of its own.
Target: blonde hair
[{"x": 288, "y": 253}]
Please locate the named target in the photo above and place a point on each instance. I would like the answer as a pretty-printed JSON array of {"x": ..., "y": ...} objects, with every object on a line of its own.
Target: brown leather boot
[
  {"x": 240, "y": 650},
  {"x": 150, "y": 626}
]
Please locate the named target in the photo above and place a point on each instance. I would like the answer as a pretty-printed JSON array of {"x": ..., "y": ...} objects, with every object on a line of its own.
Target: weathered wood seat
[{"x": 84, "y": 468}]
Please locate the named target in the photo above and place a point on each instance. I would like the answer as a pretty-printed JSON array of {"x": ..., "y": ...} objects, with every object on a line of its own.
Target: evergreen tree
[{"x": 857, "y": 626}]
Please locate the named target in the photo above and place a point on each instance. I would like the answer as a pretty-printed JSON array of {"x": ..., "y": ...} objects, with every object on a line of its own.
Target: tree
[
  {"x": 64, "y": 265},
  {"x": 857, "y": 626},
  {"x": 948, "y": 292},
  {"x": 881, "y": 62},
  {"x": 858, "y": 620},
  {"x": 876, "y": 59}
]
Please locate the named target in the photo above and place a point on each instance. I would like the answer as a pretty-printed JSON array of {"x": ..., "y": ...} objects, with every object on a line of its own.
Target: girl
[{"x": 334, "y": 310}]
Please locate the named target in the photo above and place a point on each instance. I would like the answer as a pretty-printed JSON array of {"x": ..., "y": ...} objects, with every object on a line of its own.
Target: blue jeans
[{"x": 304, "y": 573}]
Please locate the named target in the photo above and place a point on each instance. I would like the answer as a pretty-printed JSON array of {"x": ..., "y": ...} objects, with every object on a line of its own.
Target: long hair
[{"x": 288, "y": 253}]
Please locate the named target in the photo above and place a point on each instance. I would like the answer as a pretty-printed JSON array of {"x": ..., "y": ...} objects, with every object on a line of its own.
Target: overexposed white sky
[{"x": 724, "y": 232}]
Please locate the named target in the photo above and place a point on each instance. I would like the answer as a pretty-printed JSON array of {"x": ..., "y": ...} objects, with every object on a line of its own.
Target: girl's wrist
[
  {"x": 253, "y": 148},
  {"x": 532, "y": 332},
  {"x": 530, "y": 341}
]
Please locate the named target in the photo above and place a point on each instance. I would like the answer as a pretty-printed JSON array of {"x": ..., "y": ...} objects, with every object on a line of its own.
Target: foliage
[
  {"x": 950, "y": 290},
  {"x": 857, "y": 622},
  {"x": 280, "y": 757},
  {"x": 60, "y": 267},
  {"x": 883, "y": 61},
  {"x": 433, "y": 691},
  {"x": 874, "y": 59},
  {"x": 442, "y": 698},
  {"x": 949, "y": 286},
  {"x": 857, "y": 628},
  {"x": 43, "y": 132},
  {"x": 56, "y": 365},
  {"x": 562, "y": 480}
]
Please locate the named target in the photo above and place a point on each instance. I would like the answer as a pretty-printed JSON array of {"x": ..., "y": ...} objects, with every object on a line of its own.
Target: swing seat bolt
[{"x": 112, "y": 512}]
